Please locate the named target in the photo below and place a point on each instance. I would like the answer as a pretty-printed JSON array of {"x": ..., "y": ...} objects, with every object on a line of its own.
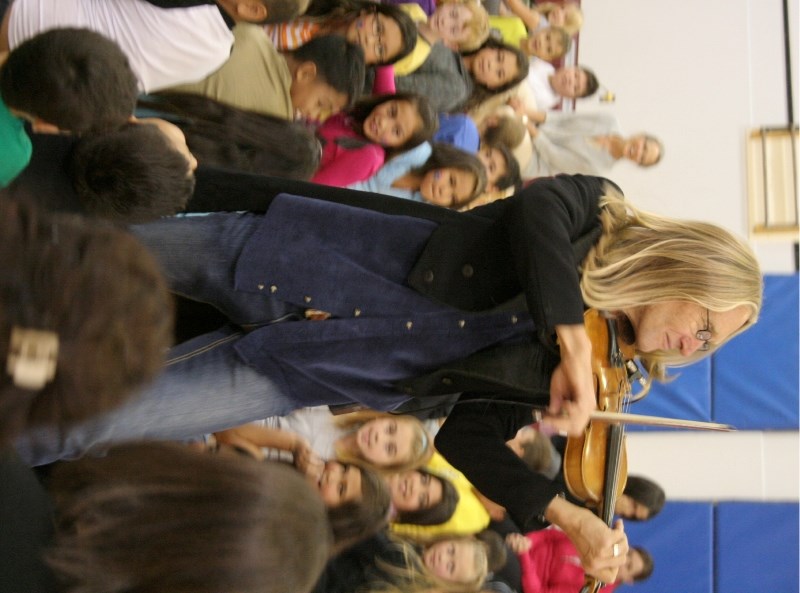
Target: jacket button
[
  {"x": 467, "y": 271},
  {"x": 273, "y": 289},
  {"x": 428, "y": 276},
  {"x": 447, "y": 381}
]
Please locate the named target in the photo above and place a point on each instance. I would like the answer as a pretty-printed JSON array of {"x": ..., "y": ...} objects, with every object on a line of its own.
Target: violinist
[{"x": 420, "y": 302}]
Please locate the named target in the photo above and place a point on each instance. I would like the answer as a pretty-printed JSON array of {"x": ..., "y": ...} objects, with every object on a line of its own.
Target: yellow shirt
[
  {"x": 469, "y": 517},
  {"x": 511, "y": 28},
  {"x": 421, "y": 50}
]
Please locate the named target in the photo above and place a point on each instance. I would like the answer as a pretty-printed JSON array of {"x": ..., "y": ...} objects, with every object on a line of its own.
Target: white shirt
[
  {"x": 165, "y": 47},
  {"x": 538, "y": 81}
]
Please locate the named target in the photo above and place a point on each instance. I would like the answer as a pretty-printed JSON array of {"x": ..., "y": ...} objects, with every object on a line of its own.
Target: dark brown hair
[
  {"x": 101, "y": 292},
  {"x": 163, "y": 517}
]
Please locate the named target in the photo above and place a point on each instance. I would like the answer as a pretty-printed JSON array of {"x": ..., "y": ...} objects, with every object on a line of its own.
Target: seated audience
[
  {"x": 312, "y": 82},
  {"x": 384, "y": 32},
  {"x": 355, "y": 145},
  {"x": 442, "y": 175},
  {"x": 167, "y": 43}
]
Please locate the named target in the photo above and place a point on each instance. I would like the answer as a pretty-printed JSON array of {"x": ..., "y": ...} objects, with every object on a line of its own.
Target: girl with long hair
[
  {"x": 355, "y": 145},
  {"x": 385, "y": 32},
  {"x": 441, "y": 174}
]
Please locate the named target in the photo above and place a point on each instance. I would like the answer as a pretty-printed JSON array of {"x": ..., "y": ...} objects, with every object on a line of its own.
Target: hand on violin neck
[
  {"x": 572, "y": 396},
  {"x": 593, "y": 539}
]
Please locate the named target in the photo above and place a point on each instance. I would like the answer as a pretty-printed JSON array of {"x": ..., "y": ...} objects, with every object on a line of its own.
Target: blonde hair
[
  {"x": 643, "y": 258},
  {"x": 421, "y": 447},
  {"x": 478, "y": 26},
  {"x": 573, "y": 15},
  {"x": 415, "y": 577}
]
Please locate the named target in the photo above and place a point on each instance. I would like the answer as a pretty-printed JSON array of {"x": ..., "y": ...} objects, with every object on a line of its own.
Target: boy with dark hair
[
  {"x": 132, "y": 175},
  {"x": 502, "y": 169},
  {"x": 69, "y": 80},
  {"x": 167, "y": 42},
  {"x": 549, "y": 86},
  {"x": 312, "y": 82}
]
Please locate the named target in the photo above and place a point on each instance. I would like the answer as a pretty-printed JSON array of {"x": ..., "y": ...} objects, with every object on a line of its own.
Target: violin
[{"x": 596, "y": 463}]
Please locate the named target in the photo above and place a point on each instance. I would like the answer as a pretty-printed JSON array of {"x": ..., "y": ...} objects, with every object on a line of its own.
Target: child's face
[
  {"x": 339, "y": 484},
  {"x": 386, "y": 441},
  {"x": 494, "y": 67},
  {"x": 546, "y": 44},
  {"x": 313, "y": 99},
  {"x": 392, "y": 123},
  {"x": 494, "y": 163},
  {"x": 452, "y": 560},
  {"x": 414, "y": 491},
  {"x": 175, "y": 137},
  {"x": 451, "y": 22},
  {"x": 569, "y": 82},
  {"x": 448, "y": 187},
  {"x": 378, "y": 35}
]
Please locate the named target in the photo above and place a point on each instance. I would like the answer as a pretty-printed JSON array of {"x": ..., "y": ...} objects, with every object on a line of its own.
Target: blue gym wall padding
[
  {"x": 688, "y": 396},
  {"x": 680, "y": 538},
  {"x": 755, "y": 377},
  {"x": 757, "y": 547}
]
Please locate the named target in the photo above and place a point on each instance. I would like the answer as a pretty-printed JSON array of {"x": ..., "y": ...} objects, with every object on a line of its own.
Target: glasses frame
[{"x": 704, "y": 335}]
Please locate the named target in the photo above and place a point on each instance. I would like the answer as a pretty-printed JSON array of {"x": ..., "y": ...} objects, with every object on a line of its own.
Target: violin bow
[{"x": 643, "y": 420}]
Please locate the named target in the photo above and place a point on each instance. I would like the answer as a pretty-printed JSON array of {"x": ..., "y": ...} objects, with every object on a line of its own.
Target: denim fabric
[{"x": 204, "y": 387}]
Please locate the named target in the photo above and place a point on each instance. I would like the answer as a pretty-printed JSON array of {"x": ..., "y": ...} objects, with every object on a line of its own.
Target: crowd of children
[{"x": 135, "y": 110}]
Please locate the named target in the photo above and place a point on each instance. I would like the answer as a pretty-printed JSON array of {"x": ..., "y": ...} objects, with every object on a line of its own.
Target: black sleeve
[
  {"x": 543, "y": 222},
  {"x": 473, "y": 439}
]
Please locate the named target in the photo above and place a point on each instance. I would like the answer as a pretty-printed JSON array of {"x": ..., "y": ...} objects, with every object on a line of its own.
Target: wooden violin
[{"x": 595, "y": 463}]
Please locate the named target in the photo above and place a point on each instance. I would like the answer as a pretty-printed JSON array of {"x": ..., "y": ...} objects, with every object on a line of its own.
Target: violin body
[{"x": 596, "y": 463}]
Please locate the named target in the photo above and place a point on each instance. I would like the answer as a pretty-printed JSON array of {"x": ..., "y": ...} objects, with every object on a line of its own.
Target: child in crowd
[
  {"x": 41, "y": 82},
  {"x": 450, "y": 81},
  {"x": 384, "y": 32},
  {"x": 441, "y": 174},
  {"x": 567, "y": 16},
  {"x": 384, "y": 562},
  {"x": 75, "y": 297},
  {"x": 549, "y": 561},
  {"x": 135, "y": 174},
  {"x": 160, "y": 516},
  {"x": 167, "y": 43},
  {"x": 549, "y": 86},
  {"x": 548, "y": 44},
  {"x": 376, "y": 440},
  {"x": 421, "y": 497},
  {"x": 502, "y": 169},
  {"x": 356, "y": 145},
  {"x": 311, "y": 82},
  {"x": 219, "y": 135},
  {"x": 461, "y": 25}
]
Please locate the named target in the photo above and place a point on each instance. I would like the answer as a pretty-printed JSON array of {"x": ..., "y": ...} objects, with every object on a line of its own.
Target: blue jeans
[{"x": 204, "y": 387}]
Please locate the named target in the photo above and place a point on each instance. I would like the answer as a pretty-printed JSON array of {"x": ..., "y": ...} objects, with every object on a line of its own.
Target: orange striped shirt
[{"x": 292, "y": 34}]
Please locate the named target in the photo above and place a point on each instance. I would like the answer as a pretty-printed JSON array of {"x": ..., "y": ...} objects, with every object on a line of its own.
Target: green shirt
[{"x": 15, "y": 146}]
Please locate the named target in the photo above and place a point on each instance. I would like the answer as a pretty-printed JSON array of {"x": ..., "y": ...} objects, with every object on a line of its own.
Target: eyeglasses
[
  {"x": 378, "y": 31},
  {"x": 704, "y": 335}
]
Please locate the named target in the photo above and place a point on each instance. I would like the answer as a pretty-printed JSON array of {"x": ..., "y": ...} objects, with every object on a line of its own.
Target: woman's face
[
  {"x": 494, "y": 67},
  {"x": 672, "y": 326},
  {"x": 392, "y": 123},
  {"x": 386, "y": 441},
  {"x": 378, "y": 35},
  {"x": 414, "y": 491},
  {"x": 339, "y": 484},
  {"x": 452, "y": 560},
  {"x": 448, "y": 187},
  {"x": 641, "y": 150}
]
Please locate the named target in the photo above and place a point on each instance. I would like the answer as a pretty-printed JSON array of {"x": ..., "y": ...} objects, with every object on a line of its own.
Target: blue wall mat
[
  {"x": 688, "y": 396},
  {"x": 755, "y": 377},
  {"x": 680, "y": 540},
  {"x": 757, "y": 547}
]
